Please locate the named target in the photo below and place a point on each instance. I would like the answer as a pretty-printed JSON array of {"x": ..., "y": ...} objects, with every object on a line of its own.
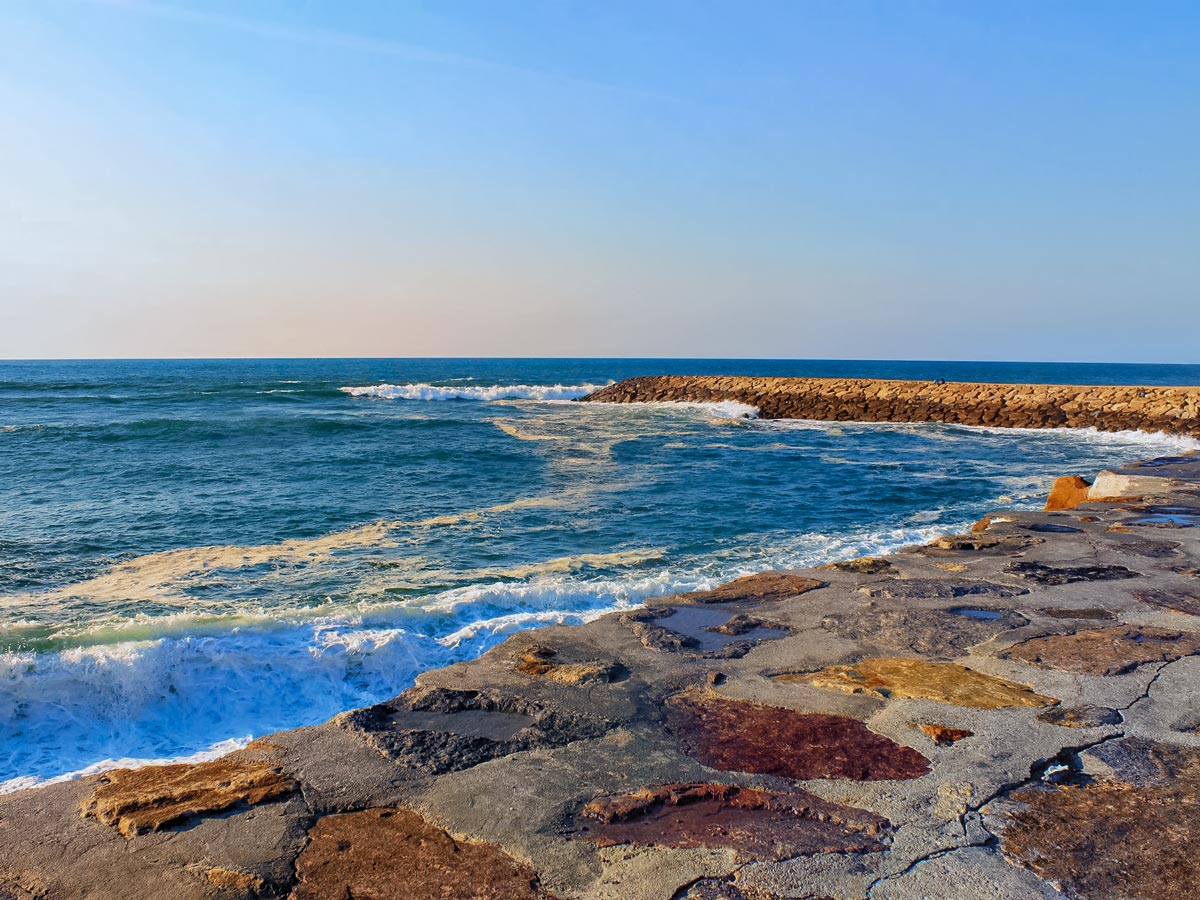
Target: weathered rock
[
  {"x": 440, "y": 730},
  {"x": 763, "y": 586},
  {"x": 993, "y": 544},
  {"x": 757, "y": 824},
  {"x": 1181, "y": 600},
  {"x": 724, "y": 889},
  {"x": 1080, "y": 716},
  {"x": 734, "y": 736},
  {"x": 1149, "y": 549},
  {"x": 394, "y": 854},
  {"x": 700, "y": 630},
  {"x": 1105, "y": 651},
  {"x": 927, "y": 632},
  {"x": 1067, "y": 493},
  {"x": 1114, "y": 840},
  {"x": 1094, "y": 613},
  {"x": 919, "y": 679},
  {"x": 942, "y": 735},
  {"x": 938, "y": 588},
  {"x": 157, "y": 797},
  {"x": 244, "y": 884},
  {"x": 542, "y": 662},
  {"x": 1040, "y": 573},
  {"x": 864, "y": 565}
]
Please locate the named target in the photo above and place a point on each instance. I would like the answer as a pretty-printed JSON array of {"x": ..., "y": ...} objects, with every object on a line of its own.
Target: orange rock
[
  {"x": 943, "y": 735},
  {"x": 1068, "y": 492}
]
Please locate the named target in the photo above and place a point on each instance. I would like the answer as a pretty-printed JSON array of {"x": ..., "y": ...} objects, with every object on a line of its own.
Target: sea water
[{"x": 193, "y": 553}]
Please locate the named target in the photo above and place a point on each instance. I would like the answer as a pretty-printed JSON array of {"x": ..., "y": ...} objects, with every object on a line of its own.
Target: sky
[{"x": 1017, "y": 179}]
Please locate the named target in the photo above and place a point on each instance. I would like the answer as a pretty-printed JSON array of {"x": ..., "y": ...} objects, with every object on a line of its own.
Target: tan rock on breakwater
[{"x": 1106, "y": 407}]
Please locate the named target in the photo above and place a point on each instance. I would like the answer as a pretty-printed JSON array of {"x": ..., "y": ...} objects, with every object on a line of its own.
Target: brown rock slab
[
  {"x": 942, "y": 735},
  {"x": 394, "y": 854},
  {"x": 864, "y": 565},
  {"x": 1067, "y": 493},
  {"x": 762, "y": 586},
  {"x": 1040, "y": 573},
  {"x": 918, "y": 679},
  {"x": 757, "y": 824},
  {"x": 1080, "y": 716},
  {"x": 233, "y": 881},
  {"x": 1105, "y": 651},
  {"x": 1114, "y": 840},
  {"x": 1181, "y": 600},
  {"x": 735, "y": 736},
  {"x": 156, "y": 797},
  {"x": 1094, "y": 613}
]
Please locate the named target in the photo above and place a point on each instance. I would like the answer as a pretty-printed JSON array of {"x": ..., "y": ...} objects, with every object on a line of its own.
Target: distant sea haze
[{"x": 197, "y": 552}]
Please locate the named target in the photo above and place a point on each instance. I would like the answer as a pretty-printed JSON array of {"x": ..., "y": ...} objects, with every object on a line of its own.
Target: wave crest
[{"x": 422, "y": 391}]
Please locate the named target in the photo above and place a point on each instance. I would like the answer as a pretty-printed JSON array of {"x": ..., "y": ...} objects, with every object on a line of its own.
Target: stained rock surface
[{"x": 1106, "y": 651}]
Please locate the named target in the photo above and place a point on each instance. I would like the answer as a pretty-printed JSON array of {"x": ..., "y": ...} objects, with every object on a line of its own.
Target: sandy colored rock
[
  {"x": 864, "y": 565},
  {"x": 1067, "y": 493},
  {"x": 943, "y": 735},
  {"x": 759, "y": 587},
  {"x": 1114, "y": 840},
  {"x": 734, "y": 736},
  {"x": 542, "y": 662},
  {"x": 918, "y": 679},
  {"x": 244, "y": 883},
  {"x": 1105, "y": 651},
  {"x": 394, "y": 854},
  {"x": 757, "y": 824},
  {"x": 156, "y": 797}
]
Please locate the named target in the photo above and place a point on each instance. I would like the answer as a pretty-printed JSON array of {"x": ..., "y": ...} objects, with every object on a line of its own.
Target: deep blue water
[{"x": 193, "y": 552}]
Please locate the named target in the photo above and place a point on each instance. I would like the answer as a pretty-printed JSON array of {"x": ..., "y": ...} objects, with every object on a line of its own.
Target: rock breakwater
[{"x": 1174, "y": 410}]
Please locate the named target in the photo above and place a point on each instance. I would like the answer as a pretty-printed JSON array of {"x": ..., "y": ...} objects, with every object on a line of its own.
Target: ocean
[{"x": 194, "y": 553}]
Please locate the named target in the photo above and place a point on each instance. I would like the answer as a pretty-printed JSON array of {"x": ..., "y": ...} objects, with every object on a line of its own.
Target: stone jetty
[
  {"x": 1175, "y": 410},
  {"x": 1010, "y": 713}
]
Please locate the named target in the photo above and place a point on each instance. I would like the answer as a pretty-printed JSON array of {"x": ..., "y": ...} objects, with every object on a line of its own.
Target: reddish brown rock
[
  {"x": 1080, "y": 716},
  {"x": 1094, "y": 613},
  {"x": 1115, "y": 840},
  {"x": 757, "y": 824},
  {"x": 157, "y": 797},
  {"x": 394, "y": 854},
  {"x": 1105, "y": 651},
  {"x": 1067, "y": 493},
  {"x": 759, "y": 587},
  {"x": 1181, "y": 600},
  {"x": 734, "y": 736},
  {"x": 942, "y": 735}
]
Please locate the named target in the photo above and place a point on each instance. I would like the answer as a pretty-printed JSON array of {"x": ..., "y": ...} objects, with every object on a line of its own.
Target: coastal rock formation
[
  {"x": 917, "y": 679},
  {"x": 1105, "y": 651},
  {"x": 136, "y": 801},
  {"x": 1181, "y": 600},
  {"x": 542, "y": 662},
  {"x": 935, "y": 633},
  {"x": 757, "y": 588},
  {"x": 747, "y": 737},
  {"x": 944, "y": 735},
  {"x": 1043, "y": 574},
  {"x": 1104, "y": 407},
  {"x": 757, "y": 824},
  {"x": 1068, "y": 492},
  {"x": 394, "y": 854}
]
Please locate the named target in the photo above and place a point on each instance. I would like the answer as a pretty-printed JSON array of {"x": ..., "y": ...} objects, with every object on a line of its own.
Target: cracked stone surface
[{"x": 1009, "y": 713}]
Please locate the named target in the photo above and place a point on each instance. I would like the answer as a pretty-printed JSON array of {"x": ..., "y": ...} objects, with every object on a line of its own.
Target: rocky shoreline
[
  {"x": 1008, "y": 713},
  {"x": 1174, "y": 410}
]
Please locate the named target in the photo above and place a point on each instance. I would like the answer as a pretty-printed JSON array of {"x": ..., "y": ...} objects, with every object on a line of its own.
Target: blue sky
[{"x": 1005, "y": 180}]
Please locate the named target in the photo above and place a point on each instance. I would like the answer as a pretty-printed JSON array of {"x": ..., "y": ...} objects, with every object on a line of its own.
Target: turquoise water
[{"x": 194, "y": 553}]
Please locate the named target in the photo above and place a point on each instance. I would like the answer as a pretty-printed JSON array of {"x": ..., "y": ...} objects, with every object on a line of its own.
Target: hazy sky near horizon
[{"x": 954, "y": 180}]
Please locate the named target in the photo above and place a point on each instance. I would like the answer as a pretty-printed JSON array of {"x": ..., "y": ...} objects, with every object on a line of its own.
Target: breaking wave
[{"x": 423, "y": 391}]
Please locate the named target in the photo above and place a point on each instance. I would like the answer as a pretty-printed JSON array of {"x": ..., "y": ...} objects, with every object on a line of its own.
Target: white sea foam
[{"x": 424, "y": 391}]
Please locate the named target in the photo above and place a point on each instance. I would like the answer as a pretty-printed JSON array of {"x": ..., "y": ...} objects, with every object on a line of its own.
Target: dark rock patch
[
  {"x": 701, "y": 630},
  {"x": 864, "y": 565},
  {"x": 1080, "y": 716},
  {"x": 926, "y": 632},
  {"x": 1148, "y": 549},
  {"x": 996, "y": 544},
  {"x": 1051, "y": 528},
  {"x": 1039, "y": 573},
  {"x": 735, "y": 736},
  {"x": 938, "y": 588},
  {"x": 1114, "y": 839},
  {"x": 394, "y": 854},
  {"x": 757, "y": 824},
  {"x": 441, "y": 730},
  {"x": 1094, "y": 613},
  {"x": 1105, "y": 651},
  {"x": 1181, "y": 600}
]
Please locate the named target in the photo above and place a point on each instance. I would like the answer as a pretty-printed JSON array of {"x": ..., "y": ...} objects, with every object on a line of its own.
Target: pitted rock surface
[
  {"x": 1081, "y": 716},
  {"x": 152, "y": 798},
  {"x": 734, "y": 736},
  {"x": 757, "y": 824},
  {"x": 1043, "y": 574},
  {"x": 1181, "y": 600},
  {"x": 938, "y": 633},
  {"x": 917, "y": 679},
  {"x": 394, "y": 854},
  {"x": 543, "y": 662},
  {"x": 1105, "y": 651},
  {"x": 938, "y": 588},
  {"x": 864, "y": 565},
  {"x": 702, "y": 631}
]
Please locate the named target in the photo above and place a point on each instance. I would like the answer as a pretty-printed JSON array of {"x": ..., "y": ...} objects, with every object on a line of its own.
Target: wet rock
[
  {"x": 1181, "y": 600},
  {"x": 1094, "y": 613},
  {"x": 1051, "y": 528},
  {"x": 938, "y": 588},
  {"x": 757, "y": 824},
  {"x": 760, "y": 587},
  {"x": 864, "y": 565},
  {"x": 735, "y": 736},
  {"x": 1067, "y": 493},
  {"x": 440, "y": 730},
  {"x": 942, "y": 735},
  {"x": 700, "y": 630},
  {"x": 918, "y": 679},
  {"x": 1105, "y": 651},
  {"x": 1039, "y": 573},
  {"x": 1080, "y": 716},
  {"x": 542, "y": 662},
  {"x": 394, "y": 854},
  {"x": 152, "y": 798},
  {"x": 1112, "y": 839},
  {"x": 926, "y": 632}
]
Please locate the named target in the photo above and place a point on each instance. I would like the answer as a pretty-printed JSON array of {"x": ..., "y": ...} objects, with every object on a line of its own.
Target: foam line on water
[{"x": 423, "y": 391}]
